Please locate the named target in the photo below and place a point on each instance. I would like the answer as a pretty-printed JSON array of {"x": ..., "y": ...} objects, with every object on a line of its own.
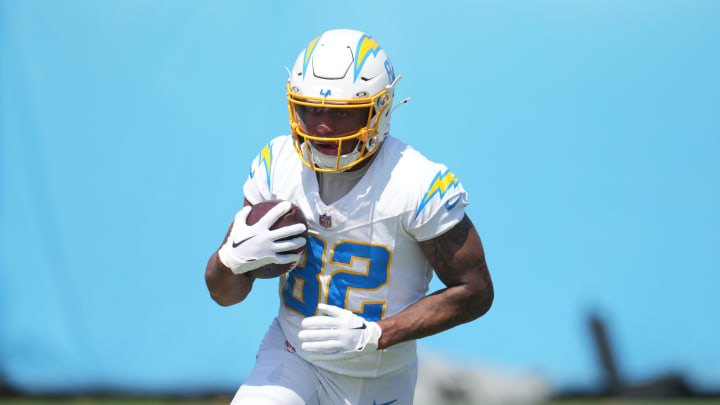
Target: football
[{"x": 294, "y": 216}]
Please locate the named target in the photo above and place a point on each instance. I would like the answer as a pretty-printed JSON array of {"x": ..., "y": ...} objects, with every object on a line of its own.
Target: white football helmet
[{"x": 341, "y": 69}]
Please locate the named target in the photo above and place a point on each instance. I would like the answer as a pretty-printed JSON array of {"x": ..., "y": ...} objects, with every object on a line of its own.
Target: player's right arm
[
  {"x": 226, "y": 272},
  {"x": 225, "y": 287},
  {"x": 251, "y": 247}
]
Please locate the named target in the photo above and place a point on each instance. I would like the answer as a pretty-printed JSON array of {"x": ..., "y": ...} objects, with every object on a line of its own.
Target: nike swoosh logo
[
  {"x": 385, "y": 403},
  {"x": 236, "y": 244},
  {"x": 450, "y": 205}
]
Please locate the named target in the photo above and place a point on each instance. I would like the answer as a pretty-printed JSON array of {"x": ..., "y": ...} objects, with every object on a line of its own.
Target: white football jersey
[{"x": 362, "y": 252}]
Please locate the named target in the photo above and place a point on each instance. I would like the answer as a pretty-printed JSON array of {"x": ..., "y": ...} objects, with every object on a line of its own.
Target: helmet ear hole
[{"x": 382, "y": 100}]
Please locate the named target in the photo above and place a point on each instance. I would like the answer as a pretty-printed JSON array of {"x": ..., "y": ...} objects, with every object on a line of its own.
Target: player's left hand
[{"x": 342, "y": 335}]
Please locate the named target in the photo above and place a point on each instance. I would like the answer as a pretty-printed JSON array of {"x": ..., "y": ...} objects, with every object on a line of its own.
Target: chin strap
[{"x": 328, "y": 162}]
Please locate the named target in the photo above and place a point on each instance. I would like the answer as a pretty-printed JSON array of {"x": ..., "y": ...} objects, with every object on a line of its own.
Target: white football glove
[
  {"x": 342, "y": 335},
  {"x": 250, "y": 247}
]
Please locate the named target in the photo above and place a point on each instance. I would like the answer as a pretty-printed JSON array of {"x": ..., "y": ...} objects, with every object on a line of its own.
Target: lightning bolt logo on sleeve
[
  {"x": 366, "y": 46},
  {"x": 440, "y": 185},
  {"x": 265, "y": 157}
]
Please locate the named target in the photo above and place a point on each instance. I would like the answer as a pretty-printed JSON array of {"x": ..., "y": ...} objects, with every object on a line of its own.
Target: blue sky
[{"x": 586, "y": 134}]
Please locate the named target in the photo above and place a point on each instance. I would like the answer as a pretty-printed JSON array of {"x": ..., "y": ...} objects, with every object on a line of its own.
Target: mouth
[{"x": 326, "y": 148}]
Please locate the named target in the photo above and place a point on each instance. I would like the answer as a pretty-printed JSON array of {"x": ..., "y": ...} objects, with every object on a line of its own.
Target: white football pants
[{"x": 281, "y": 377}]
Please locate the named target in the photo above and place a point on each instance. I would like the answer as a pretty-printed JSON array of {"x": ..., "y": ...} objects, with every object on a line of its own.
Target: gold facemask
[{"x": 366, "y": 134}]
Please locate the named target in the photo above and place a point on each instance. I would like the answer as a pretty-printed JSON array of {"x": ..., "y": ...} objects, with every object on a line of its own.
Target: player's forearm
[
  {"x": 225, "y": 287},
  {"x": 459, "y": 261},
  {"x": 435, "y": 313}
]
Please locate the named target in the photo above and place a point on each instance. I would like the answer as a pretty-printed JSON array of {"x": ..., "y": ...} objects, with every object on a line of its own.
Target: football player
[{"x": 381, "y": 218}]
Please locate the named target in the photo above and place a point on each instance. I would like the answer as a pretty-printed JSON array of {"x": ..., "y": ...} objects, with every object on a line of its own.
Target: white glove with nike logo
[
  {"x": 342, "y": 335},
  {"x": 250, "y": 247}
]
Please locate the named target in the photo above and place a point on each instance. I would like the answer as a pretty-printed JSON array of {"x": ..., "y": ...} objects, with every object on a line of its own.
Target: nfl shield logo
[{"x": 325, "y": 220}]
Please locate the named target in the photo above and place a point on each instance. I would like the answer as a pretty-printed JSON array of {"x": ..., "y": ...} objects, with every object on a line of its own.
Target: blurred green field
[
  {"x": 226, "y": 400},
  {"x": 636, "y": 402},
  {"x": 112, "y": 401}
]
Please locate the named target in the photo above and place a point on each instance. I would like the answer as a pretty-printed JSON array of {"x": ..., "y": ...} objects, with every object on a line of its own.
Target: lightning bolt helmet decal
[
  {"x": 308, "y": 53},
  {"x": 366, "y": 46}
]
